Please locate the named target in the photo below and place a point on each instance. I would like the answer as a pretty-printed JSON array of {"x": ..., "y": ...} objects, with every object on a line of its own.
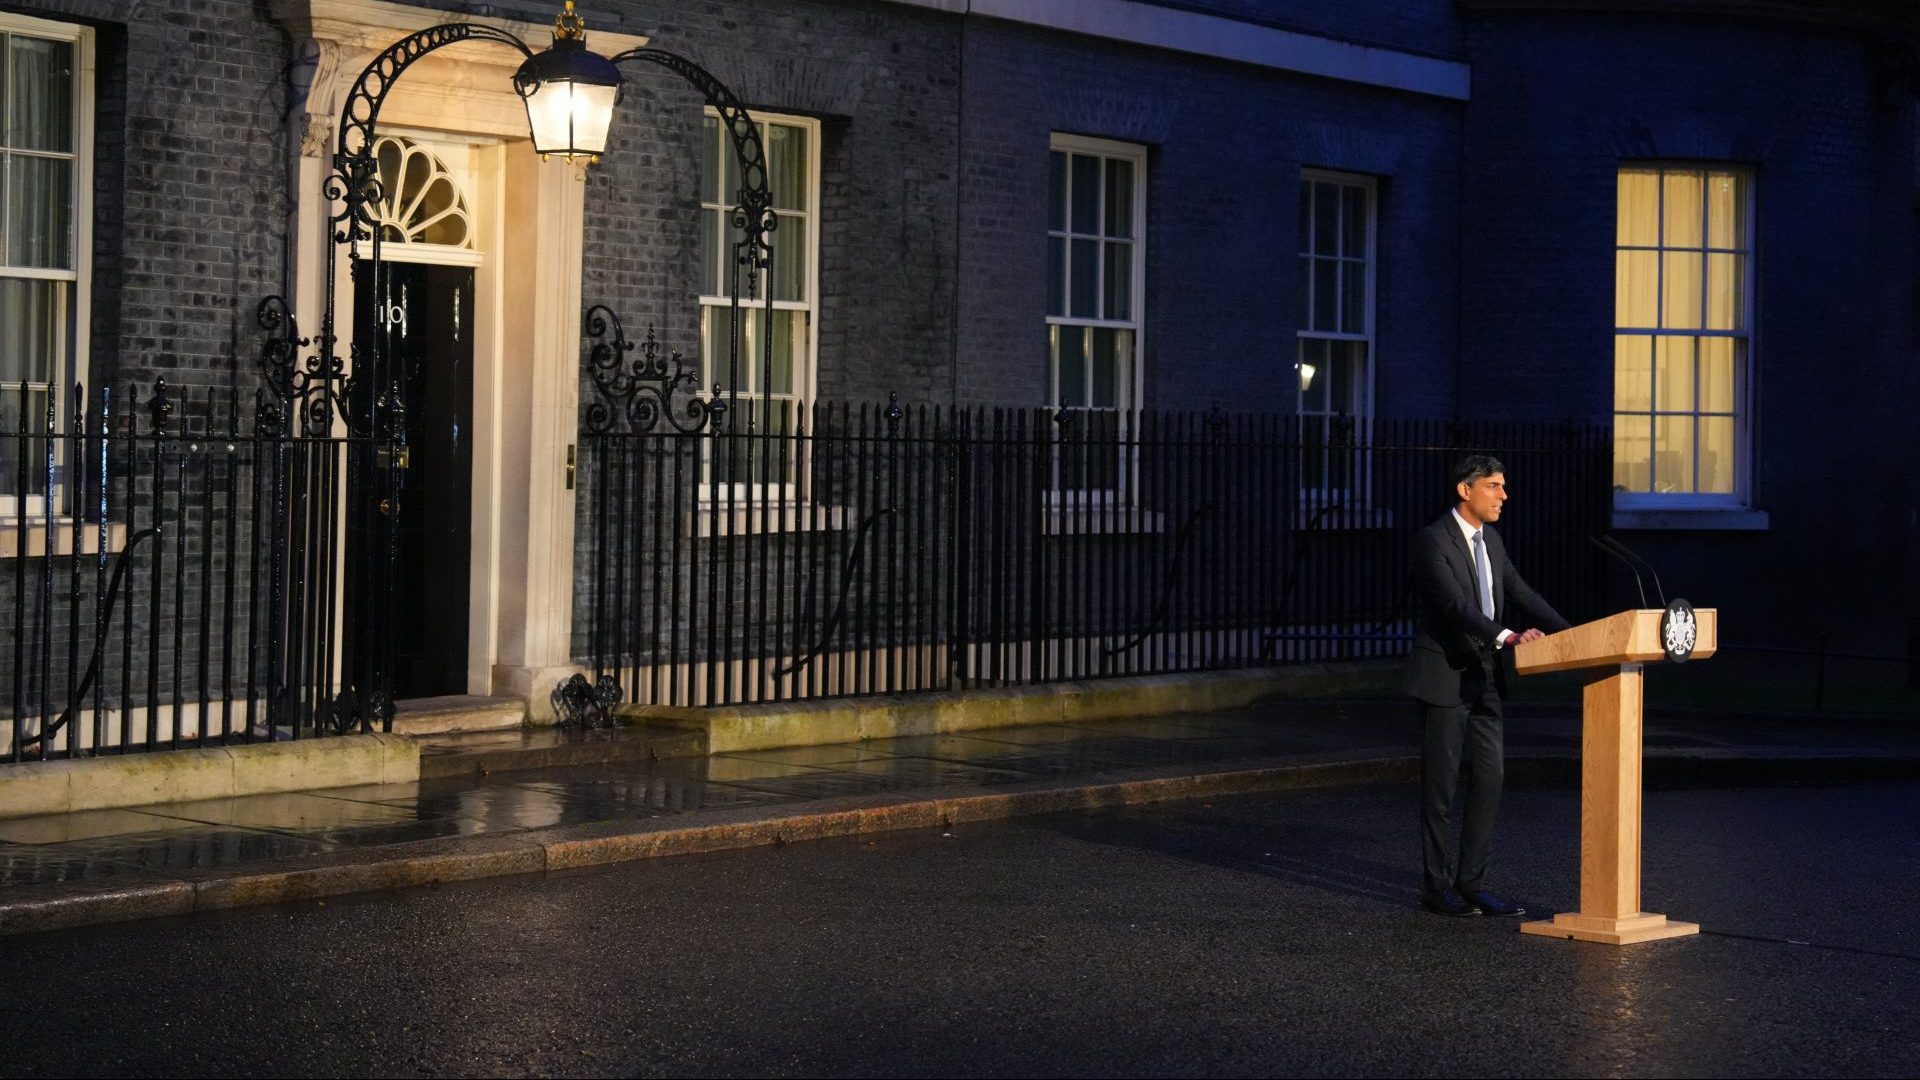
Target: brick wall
[
  {"x": 189, "y": 215},
  {"x": 883, "y": 80},
  {"x": 1495, "y": 271},
  {"x": 190, "y": 184},
  {"x": 1559, "y": 102},
  {"x": 1226, "y": 144}
]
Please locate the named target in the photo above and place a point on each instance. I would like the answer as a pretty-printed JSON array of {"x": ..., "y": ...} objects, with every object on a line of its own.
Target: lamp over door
[{"x": 570, "y": 92}]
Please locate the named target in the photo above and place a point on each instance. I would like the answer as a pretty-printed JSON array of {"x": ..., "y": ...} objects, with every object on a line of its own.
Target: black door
[{"x": 425, "y": 318}]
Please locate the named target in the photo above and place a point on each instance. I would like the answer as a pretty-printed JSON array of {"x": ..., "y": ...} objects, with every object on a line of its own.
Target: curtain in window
[{"x": 1680, "y": 353}]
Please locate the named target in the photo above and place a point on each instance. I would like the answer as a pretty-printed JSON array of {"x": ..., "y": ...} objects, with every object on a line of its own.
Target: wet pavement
[
  {"x": 1261, "y": 935},
  {"x": 233, "y": 833},
  {"x": 615, "y": 782}
]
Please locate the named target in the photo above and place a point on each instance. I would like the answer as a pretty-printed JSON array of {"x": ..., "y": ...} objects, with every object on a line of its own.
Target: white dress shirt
[{"x": 1467, "y": 530}]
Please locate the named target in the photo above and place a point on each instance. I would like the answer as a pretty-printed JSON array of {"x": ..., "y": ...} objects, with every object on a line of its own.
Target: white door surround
[{"x": 528, "y": 215}]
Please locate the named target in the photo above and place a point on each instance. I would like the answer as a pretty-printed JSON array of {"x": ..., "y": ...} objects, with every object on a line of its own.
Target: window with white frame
[
  {"x": 772, "y": 386},
  {"x": 1682, "y": 335},
  {"x": 46, "y": 114},
  {"x": 1096, "y": 287},
  {"x": 1333, "y": 351},
  {"x": 1096, "y": 210}
]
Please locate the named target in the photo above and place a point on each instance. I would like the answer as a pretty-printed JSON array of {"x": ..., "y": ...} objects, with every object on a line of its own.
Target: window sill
[
  {"x": 36, "y": 538},
  {"x": 1706, "y": 519}
]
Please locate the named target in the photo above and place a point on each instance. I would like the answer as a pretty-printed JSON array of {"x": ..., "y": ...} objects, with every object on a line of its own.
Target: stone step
[
  {"x": 825, "y": 721},
  {"x": 478, "y": 753},
  {"x": 457, "y": 712}
]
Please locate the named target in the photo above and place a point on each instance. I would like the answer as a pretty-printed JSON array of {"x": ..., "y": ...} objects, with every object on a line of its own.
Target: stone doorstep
[
  {"x": 457, "y": 712},
  {"x": 66, "y": 786},
  {"x": 819, "y": 722},
  {"x": 540, "y": 748}
]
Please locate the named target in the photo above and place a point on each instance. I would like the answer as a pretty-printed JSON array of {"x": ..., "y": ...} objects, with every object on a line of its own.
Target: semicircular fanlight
[{"x": 419, "y": 201}]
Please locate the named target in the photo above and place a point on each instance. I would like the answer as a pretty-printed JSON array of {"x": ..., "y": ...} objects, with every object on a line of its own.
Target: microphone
[
  {"x": 1624, "y": 561},
  {"x": 1628, "y": 552}
]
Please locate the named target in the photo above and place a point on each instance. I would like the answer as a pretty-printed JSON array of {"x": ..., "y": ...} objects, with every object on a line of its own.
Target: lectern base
[{"x": 1626, "y": 930}]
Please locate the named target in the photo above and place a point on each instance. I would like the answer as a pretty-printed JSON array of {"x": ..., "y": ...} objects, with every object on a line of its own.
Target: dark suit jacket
[{"x": 1451, "y": 639}]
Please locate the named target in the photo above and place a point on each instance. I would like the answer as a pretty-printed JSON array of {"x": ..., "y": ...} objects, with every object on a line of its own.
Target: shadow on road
[{"x": 1211, "y": 836}]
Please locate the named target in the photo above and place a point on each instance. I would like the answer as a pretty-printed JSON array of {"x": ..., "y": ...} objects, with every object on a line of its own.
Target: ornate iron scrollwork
[
  {"x": 304, "y": 391},
  {"x": 305, "y": 394},
  {"x": 269, "y": 420},
  {"x": 581, "y": 704},
  {"x": 344, "y": 712},
  {"x": 280, "y": 353},
  {"x": 352, "y": 711},
  {"x": 311, "y": 385},
  {"x": 640, "y": 394},
  {"x": 639, "y": 391},
  {"x": 753, "y": 215},
  {"x": 311, "y": 390},
  {"x": 355, "y": 180}
]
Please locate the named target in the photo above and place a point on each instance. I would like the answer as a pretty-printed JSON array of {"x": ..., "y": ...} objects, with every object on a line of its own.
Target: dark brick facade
[
  {"x": 190, "y": 203},
  {"x": 883, "y": 80},
  {"x": 1495, "y": 278},
  {"x": 1560, "y": 101},
  {"x": 1225, "y": 148},
  {"x": 190, "y": 185}
]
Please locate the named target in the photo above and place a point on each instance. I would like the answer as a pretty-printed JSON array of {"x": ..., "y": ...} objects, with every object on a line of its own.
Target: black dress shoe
[
  {"x": 1448, "y": 903},
  {"x": 1489, "y": 904}
]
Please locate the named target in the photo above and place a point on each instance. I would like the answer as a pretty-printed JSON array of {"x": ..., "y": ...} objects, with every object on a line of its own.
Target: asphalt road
[{"x": 1254, "y": 936}]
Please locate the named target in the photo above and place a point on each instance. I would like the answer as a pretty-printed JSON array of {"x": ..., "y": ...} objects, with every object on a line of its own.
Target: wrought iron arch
[
  {"x": 310, "y": 393},
  {"x": 753, "y": 216},
  {"x": 305, "y": 396},
  {"x": 639, "y": 394},
  {"x": 355, "y": 180}
]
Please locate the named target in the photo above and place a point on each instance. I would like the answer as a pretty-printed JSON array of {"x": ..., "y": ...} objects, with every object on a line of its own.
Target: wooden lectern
[{"x": 1610, "y": 759}]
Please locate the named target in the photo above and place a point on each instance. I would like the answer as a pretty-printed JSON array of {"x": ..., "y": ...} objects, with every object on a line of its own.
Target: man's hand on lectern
[{"x": 1531, "y": 633}]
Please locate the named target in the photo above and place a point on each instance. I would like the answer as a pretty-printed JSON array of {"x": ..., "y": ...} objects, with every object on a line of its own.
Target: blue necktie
[{"x": 1482, "y": 579}]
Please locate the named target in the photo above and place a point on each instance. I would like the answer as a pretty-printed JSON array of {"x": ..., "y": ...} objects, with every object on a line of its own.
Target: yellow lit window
[{"x": 1682, "y": 329}]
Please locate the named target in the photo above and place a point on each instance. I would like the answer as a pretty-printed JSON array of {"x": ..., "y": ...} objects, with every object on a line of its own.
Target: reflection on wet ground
[{"x": 227, "y": 833}]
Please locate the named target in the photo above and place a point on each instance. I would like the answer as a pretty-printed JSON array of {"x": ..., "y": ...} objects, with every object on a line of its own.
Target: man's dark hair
[{"x": 1474, "y": 467}]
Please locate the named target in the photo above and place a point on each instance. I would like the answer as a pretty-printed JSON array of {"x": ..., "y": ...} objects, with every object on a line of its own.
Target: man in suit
[{"x": 1470, "y": 597}]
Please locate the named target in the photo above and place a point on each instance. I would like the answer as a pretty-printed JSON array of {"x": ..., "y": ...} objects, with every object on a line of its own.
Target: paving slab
[{"x": 531, "y": 801}]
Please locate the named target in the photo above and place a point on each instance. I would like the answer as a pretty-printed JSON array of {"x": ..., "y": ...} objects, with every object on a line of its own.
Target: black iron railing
[
  {"x": 172, "y": 575},
  {"x": 885, "y": 549}
]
